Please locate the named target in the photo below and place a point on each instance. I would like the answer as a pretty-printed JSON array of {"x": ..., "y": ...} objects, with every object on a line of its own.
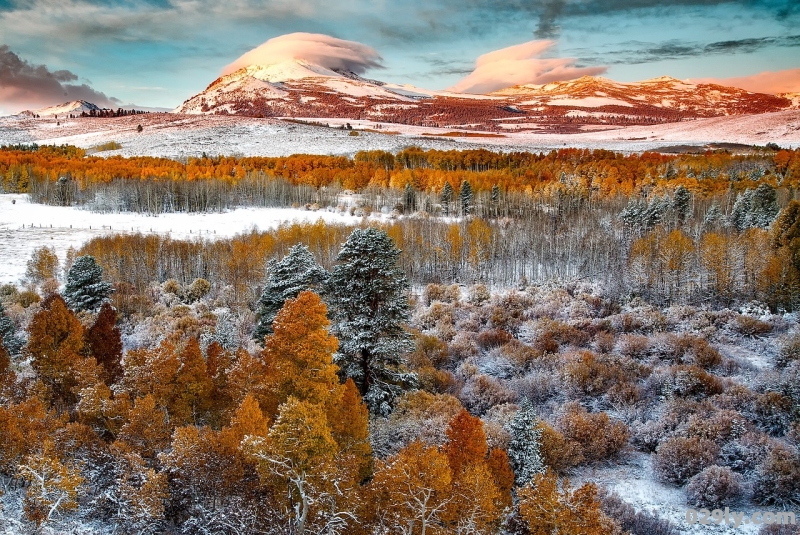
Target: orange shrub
[{"x": 595, "y": 435}]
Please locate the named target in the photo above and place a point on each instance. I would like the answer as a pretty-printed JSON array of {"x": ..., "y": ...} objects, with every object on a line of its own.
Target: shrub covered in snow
[
  {"x": 679, "y": 458},
  {"x": 777, "y": 479},
  {"x": 631, "y": 521},
  {"x": 716, "y": 486},
  {"x": 596, "y": 436}
]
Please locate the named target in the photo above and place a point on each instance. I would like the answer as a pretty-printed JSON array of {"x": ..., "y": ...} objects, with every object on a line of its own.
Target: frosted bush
[
  {"x": 719, "y": 427},
  {"x": 604, "y": 342},
  {"x": 417, "y": 416},
  {"x": 496, "y": 364},
  {"x": 744, "y": 454},
  {"x": 789, "y": 349},
  {"x": 679, "y": 458},
  {"x": 496, "y": 421},
  {"x": 635, "y": 346},
  {"x": 482, "y": 392},
  {"x": 539, "y": 386},
  {"x": 630, "y": 520},
  {"x": 437, "y": 313},
  {"x": 595, "y": 435},
  {"x": 777, "y": 479},
  {"x": 478, "y": 294},
  {"x": 755, "y": 308},
  {"x": 463, "y": 346},
  {"x": 716, "y": 486}
]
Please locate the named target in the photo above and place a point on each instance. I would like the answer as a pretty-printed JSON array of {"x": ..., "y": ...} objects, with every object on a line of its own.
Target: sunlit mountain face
[{"x": 299, "y": 88}]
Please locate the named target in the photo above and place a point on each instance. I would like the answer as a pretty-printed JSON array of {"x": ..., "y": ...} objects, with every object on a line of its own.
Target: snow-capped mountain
[
  {"x": 286, "y": 88},
  {"x": 664, "y": 93},
  {"x": 298, "y": 88},
  {"x": 75, "y": 107}
]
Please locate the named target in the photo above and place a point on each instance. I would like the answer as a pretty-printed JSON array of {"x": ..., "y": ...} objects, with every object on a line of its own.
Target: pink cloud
[
  {"x": 787, "y": 81},
  {"x": 521, "y": 64},
  {"x": 320, "y": 49}
]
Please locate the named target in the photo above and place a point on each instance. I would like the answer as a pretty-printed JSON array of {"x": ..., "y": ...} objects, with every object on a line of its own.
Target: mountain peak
[
  {"x": 74, "y": 107},
  {"x": 662, "y": 79},
  {"x": 299, "y": 88}
]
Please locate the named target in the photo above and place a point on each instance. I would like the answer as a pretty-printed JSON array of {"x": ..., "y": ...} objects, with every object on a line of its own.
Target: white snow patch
[
  {"x": 26, "y": 226},
  {"x": 589, "y": 102}
]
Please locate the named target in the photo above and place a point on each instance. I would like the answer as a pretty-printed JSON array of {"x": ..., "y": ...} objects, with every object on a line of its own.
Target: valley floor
[
  {"x": 176, "y": 136},
  {"x": 26, "y": 226}
]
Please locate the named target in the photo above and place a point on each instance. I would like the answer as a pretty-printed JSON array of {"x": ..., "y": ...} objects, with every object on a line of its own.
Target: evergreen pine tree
[
  {"x": 524, "y": 450},
  {"x": 641, "y": 217},
  {"x": 85, "y": 288},
  {"x": 740, "y": 213},
  {"x": 713, "y": 215},
  {"x": 655, "y": 210},
  {"x": 446, "y": 198},
  {"x": 632, "y": 215},
  {"x": 8, "y": 334},
  {"x": 681, "y": 203},
  {"x": 763, "y": 207},
  {"x": 225, "y": 333},
  {"x": 296, "y": 272},
  {"x": 495, "y": 194},
  {"x": 465, "y": 196},
  {"x": 367, "y": 294}
]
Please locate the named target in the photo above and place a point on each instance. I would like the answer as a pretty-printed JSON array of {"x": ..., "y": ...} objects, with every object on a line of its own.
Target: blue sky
[{"x": 160, "y": 52}]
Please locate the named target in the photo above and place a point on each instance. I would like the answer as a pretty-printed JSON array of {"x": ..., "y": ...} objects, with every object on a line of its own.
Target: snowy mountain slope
[
  {"x": 284, "y": 89},
  {"x": 657, "y": 96},
  {"x": 76, "y": 107},
  {"x": 178, "y": 136},
  {"x": 299, "y": 88}
]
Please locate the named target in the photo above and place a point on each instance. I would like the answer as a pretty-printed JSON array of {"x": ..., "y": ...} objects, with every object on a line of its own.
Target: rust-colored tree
[{"x": 104, "y": 342}]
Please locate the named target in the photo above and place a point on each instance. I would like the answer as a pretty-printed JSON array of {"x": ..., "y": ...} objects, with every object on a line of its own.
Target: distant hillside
[
  {"x": 301, "y": 89},
  {"x": 75, "y": 107}
]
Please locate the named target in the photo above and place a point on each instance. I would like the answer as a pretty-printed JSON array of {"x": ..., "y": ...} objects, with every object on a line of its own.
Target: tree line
[{"x": 66, "y": 175}]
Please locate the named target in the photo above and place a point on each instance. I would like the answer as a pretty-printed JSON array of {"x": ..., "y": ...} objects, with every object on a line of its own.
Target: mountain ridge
[
  {"x": 72, "y": 107},
  {"x": 301, "y": 89}
]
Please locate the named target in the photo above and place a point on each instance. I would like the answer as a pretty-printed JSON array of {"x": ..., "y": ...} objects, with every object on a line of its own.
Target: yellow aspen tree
[
  {"x": 412, "y": 490},
  {"x": 302, "y": 350}
]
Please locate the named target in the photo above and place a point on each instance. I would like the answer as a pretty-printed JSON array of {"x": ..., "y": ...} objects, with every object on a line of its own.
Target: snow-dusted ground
[
  {"x": 172, "y": 135},
  {"x": 633, "y": 480},
  {"x": 25, "y": 226}
]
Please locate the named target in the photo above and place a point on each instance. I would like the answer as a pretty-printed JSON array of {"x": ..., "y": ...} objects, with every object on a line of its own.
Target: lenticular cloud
[
  {"x": 521, "y": 64},
  {"x": 316, "y": 48}
]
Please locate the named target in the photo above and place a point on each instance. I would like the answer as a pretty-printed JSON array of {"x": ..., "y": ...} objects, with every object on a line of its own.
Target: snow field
[
  {"x": 26, "y": 226},
  {"x": 181, "y": 136}
]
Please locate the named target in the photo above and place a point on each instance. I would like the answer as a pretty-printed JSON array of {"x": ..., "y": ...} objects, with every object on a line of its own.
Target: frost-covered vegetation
[{"x": 417, "y": 376}]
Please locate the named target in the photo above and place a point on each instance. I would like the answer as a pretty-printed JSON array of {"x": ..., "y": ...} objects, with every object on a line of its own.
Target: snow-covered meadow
[
  {"x": 180, "y": 136},
  {"x": 26, "y": 226}
]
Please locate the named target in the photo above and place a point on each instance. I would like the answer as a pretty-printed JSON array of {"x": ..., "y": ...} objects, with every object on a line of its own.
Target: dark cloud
[
  {"x": 548, "y": 28},
  {"x": 781, "y": 9},
  {"x": 548, "y": 13},
  {"x": 444, "y": 67},
  {"x": 636, "y": 52},
  {"x": 750, "y": 45},
  {"x": 24, "y": 84}
]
